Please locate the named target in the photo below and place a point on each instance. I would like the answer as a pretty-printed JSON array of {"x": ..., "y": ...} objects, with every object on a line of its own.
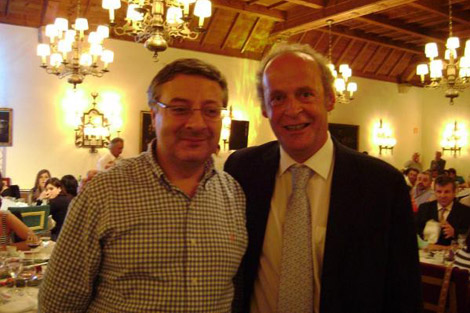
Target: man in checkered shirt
[{"x": 162, "y": 232}]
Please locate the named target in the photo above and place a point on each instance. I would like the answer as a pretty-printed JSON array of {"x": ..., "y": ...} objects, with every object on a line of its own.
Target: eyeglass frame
[{"x": 205, "y": 117}]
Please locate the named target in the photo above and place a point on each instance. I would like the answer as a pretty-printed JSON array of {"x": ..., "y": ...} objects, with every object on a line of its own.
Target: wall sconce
[
  {"x": 226, "y": 126},
  {"x": 384, "y": 138},
  {"x": 94, "y": 130},
  {"x": 454, "y": 138}
]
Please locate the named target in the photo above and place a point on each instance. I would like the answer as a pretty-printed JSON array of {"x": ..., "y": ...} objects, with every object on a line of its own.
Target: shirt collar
[
  {"x": 151, "y": 155},
  {"x": 320, "y": 162},
  {"x": 448, "y": 208}
]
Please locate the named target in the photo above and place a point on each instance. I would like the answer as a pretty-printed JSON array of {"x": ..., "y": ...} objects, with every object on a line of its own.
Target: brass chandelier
[
  {"x": 344, "y": 89},
  {"x": 71, "y": 53},
  {"x": 156, "y": 22},
  {"x": 451, "y": 74}
]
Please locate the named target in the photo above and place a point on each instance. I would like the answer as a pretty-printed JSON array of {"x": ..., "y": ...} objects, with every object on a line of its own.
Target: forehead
[
  {"x": 449, "y": 186},
  {"x": 291, "y": 69},
  {"x": 191, "y": 87},
  {"x": 423, "y": 176}
]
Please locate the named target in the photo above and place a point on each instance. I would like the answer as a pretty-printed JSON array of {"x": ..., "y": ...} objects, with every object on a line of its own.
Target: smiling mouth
[{"x": 296, "y": 127}]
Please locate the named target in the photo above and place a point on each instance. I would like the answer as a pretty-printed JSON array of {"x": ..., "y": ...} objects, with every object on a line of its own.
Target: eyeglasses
[{"x": 209, "y": 112}]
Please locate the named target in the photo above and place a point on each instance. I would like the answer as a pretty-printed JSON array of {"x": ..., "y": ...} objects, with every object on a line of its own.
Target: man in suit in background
[
  {"x": 453, "y": 216},
  {"x": 361, "y": 251},
  {"x": 438, "y": 163}
]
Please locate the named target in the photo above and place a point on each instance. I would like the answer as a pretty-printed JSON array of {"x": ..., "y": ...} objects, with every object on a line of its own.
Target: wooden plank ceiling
[{"x": 382, "y": 40}]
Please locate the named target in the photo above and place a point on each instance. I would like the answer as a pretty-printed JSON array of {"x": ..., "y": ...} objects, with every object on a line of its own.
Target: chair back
[
  {"x": 35, "y": 217},
  {"x": 445, "y": 289}
]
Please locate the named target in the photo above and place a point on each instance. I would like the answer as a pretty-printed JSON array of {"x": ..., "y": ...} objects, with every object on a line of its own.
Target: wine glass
[
  {"x": 14, "y": 266},
  {"x": 33, "y": 241}
]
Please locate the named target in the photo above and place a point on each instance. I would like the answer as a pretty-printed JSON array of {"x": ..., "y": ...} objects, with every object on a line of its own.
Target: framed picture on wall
[
  {"x": 346, "y": 134},
  {"x": 147, "y": 132},
  {"x": 6, "y": 126}
]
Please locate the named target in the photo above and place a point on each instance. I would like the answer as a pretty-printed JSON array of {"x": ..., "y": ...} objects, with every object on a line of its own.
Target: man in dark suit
[
  {"x": 438, "y": 163},
  {"x": 362, "y": 234},
  {"x": 453, "y": 216}
]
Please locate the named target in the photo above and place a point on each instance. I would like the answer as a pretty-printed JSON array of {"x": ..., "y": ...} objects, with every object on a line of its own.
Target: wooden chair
[
  {"x": 35, "y": 217},
  {"x": 445, "y": 289}
]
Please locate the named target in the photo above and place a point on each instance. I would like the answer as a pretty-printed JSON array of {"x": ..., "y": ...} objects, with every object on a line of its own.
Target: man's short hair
[
  {"x": 284, "y": 48},
  {"x": 409, "y": 169},
  {"x": 115, "y": 141},
  {"x": 444, "y": 180},
  {"x": 428, "y": 173},
  {"x": 452, "y": 170},
  {"x": 187, "y": 67}
]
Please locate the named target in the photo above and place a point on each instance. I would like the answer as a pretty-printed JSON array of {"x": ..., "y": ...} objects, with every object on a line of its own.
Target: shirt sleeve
[{"x": 73, "y": 267}]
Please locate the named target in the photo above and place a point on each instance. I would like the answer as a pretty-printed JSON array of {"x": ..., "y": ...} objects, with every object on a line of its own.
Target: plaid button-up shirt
[{"x": 133, "y": 242}]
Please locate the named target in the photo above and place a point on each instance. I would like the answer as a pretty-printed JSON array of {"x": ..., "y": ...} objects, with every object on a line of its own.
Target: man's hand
[{"x": 448, "y": 230}]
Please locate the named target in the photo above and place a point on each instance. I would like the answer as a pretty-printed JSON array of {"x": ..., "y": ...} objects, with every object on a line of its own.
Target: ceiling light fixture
[
  {"x": 453, "y": 75},
  {"x": 156, "y": 22},
  {"x": 344, "y": 89},
  {"x": 70, "y": 55}
]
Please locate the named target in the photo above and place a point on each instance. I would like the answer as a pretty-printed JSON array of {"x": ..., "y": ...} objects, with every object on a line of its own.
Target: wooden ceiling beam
[
  {"x": 345, "y": 51},
  {"x": 209, "y": 28},
  {"x": 250, "y": 10},
  {"x": 250, "y": 35},
  {"x": 343, "y": 11},
  {"x": 7, "y": 8},
  {"x": 363, "y": 36},
  {"x": 48, "y": 11},
  {"x": 410, "y": 69},
  {"x": 358, "y": 55},
  {"x": 430, "y": 6},
  {"x": 313, "y": 4},
  {"x": 400, "y": 27},
  {"x": 397, "y": 63},
  {"x": 229, "y": 31},
  {"x": 367, "y": 64}
]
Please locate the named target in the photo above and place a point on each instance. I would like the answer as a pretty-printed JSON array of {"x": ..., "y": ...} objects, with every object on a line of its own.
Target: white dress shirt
[{"x": 266, "y": 288}]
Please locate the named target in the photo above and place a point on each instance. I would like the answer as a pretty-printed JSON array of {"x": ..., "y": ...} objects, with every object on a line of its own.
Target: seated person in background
[
  {"x": 9, "y": 224},
  {"x": 113, "y": 156},
  {"x": 422, "y": 191},
  {"x": 459, "y": 180},
  {"x": 5, "y": 190},
  {"x": 59, "y": 203},
  {"x": 89, "y": 176},
  {"x": 438, "y": 163},
  {"x": 414, "y": 162},
  {"x": 411, "y": 175},
  {"x": 462, "y": 256},
  {"x": 70, "y": 184},
  {"x": 38, "y": 193},
  {"x": 453, "y": 216}
]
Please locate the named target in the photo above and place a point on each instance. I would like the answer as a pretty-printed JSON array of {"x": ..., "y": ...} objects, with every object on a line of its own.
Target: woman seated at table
[
  {"x": 38, "y": 193},
  {"x": 9, "y": 224},
  {"x": 58, "y": 202},
  {"x": 462, "y": 256}
]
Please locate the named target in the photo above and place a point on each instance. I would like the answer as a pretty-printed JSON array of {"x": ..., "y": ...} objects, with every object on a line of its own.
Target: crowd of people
[
  {"x": 299, "y": 224},
  {"x": 441, "y": 217}
]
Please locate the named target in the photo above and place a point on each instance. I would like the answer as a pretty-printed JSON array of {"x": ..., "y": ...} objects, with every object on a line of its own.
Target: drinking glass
[
  {"x": 33, "y": 241},
  {"x": 14, "y": 266}
]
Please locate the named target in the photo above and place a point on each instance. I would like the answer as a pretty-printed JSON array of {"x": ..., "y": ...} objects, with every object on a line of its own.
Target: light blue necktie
[{"x": 296, "y": 281}]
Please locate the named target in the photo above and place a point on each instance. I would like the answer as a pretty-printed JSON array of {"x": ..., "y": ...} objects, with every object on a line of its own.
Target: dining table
[{"x": 24, "y": 298}]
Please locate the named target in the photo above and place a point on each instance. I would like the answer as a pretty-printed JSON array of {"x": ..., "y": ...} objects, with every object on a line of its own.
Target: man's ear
[
  {"x": 152, "y": 116},
  {"x": 330, "y": 101}
]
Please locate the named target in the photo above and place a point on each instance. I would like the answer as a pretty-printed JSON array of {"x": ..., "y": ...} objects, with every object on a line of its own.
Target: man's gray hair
[
  {"x": 115, "y": 141},
  {"x": 284, "y": 48}
]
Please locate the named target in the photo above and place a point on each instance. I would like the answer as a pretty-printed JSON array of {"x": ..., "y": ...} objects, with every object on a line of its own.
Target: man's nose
[
  {"x": 293, "y": 106},
  {"x": 196, "y": 119}
]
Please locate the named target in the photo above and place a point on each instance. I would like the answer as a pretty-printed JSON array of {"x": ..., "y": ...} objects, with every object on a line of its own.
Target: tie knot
[{"x": 300, "y": 176}]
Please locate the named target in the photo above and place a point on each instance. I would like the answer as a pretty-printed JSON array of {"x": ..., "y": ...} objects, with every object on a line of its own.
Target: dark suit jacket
[
  {"x": 459, "y": 218},
  {"x": 370, "y": 261},
  {"x": 59, "y": 208}
]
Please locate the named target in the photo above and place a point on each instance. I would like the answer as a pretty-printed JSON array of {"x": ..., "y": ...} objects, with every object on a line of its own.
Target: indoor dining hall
[{"x": 235, "y": 156}]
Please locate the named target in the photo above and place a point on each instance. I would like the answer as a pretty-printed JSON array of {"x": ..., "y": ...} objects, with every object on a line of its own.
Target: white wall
[{"x": 43, "y": 139}]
